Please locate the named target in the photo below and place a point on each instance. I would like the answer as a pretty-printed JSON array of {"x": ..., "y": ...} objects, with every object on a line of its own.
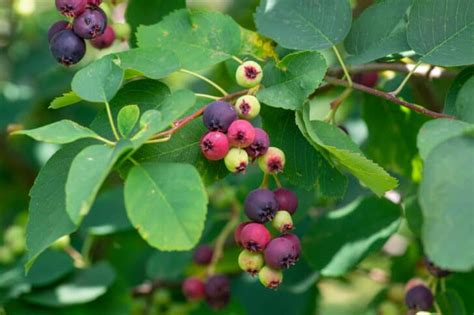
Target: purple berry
[
  {"x": 218, "y": 116},
  {"x": 254, "y": 237},
  {"x": 71, "y": 8},
  {"x": 91, "y": 23},
  {"x": 296, "y": 243},
  {"x": 287, "y": 200},
  {"x": 217, "y": 291},
  {"x": 260, "y": 205},
  {"x": 67, "y": 48},
  {"x": 241, "y": 133},
  {"x": 193, "y": 289},
  {"x": 260, "y": 144},
  {"x": 56, "y": 28},
  {"x": 214, "y": 145},
  {"x": 435, "y": 270},
  {"x": 203, "y": 255},
  {"x": 250, "y": 262},
  {"x": 280, "y": 253},
  {"x": 238, "y": 233},
  {"x": 419, "y": 298},
  {"x": 105, "y": 40}
]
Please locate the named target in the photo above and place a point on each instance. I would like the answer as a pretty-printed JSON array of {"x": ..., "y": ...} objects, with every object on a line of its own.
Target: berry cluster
[{"x": 87, "y": 21}]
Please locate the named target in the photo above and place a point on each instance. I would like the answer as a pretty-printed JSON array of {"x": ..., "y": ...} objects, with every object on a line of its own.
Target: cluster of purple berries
[{"x": 87, "y": 21}]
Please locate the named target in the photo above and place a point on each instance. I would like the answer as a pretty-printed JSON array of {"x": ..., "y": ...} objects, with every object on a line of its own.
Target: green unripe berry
[
  {"x": 15, "y": 239},
  {"x": 61, "y": 243},
  {"x": 222, "y": 197},
  {"x": 162, "y": 297},
  {"x": 273, "y": 161},
  {"x": 270, "y": 278},
  {"x": 283, "y": 221},
  {"x": 122, "y": 30},
  {"x": 6, "y": 255},
  {"x": 249, "y": 74},
  {"x": 251, "y": 262},
  {"x": 247, "y": 107},
  {"x": 236, "y": 160}
]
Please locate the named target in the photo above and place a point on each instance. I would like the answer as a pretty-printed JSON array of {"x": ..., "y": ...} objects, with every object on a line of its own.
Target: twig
[{"x": 79, "y": 261}]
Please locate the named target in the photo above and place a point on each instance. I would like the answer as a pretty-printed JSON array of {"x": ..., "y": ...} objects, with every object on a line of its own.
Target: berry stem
[
  {"x": 404, "y": 82},
  {"x": 111, "y": 120},
  {"x": 134, "y": 162},
  {"x": 106, "y": 141},
  {"x": 336, "y": 103},
  {"x": 214, "y": 84},
  {"x": 79, "y": 261},
  {"x": 86, "y": 248},
  {"x": 343, "y": 65},
  {"x": 264, "y": 183},
  {"x": 277, "y": 181},
  {"x": 238, "y": 59},
  {"x": 164, "y": 139},
  {"x": 212, "y": 97}
]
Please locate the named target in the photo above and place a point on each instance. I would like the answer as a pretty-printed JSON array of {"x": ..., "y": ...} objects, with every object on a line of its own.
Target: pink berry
[
  {"x": 255, "y": 237},
  {"x": 241, "y": 133},
  {"x": 238, "y": 233},
  {"x": 193, "y": 289},
  {"x": 214, "y": 145}
]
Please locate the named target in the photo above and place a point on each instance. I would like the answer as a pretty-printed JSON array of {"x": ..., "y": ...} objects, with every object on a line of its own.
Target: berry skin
[
  {"x": 236, "y": 160},
  {"x": 105, "y": 40},
  {"x": 238, "y": 233},
  {"x": 435, "y": 270},
  {"x": 67, "y": 48},
  {"x": 241, "y": 133},
  {"x": 273, "y": 161},
  {"x": 296, "y": 243},
  {"x": 214, "y": 145},
  {"x": 94, "y": 3},
  {"x": 260, "y": 144},
  {"x": 217, "y": 290},
  {"x": 218, "y": 116},
  {"x": 56, "y": 28},
  {"x": 419, "y": 297},
  {"x": 270, "y": 278},
  {"x": 203, "y": 255},
  {"x": 71, "y": 8},
  {"x": 91, "y": 23},
  {"x": 248, "y": 107},
  {"x": 368, "y": 79},
  {"x": 251, "y": 262},
  {"x": 260, "y": 205},
  {"x": 280, "y": 253},
  {"x": 249, "y": 74},
  {"x": 282, "y": 221},
  {"x": 193, "y": 289},
  {"x": 287, "y": 200},
  {"x": 254, "y": 237}
]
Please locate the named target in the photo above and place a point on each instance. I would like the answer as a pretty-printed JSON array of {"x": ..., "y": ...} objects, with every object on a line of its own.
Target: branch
[{"x": 388, "y": 97}]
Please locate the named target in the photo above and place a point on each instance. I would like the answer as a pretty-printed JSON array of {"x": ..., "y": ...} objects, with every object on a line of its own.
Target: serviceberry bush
[{"x": 266, "y": 157}]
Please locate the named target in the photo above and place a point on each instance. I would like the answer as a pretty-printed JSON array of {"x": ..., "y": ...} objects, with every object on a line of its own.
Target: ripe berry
[
  {"x": 296, "y": 243},
  {"x": 260, "y": 144},
  {"x": 260, "y": 205},
  {"x": 249, "y": 74},
  {"x": 218, "y": 116},
  {"x": 236, "y": 160},
  {"x": 435, "y": 270},
  {"x": 287, "y": 200},
  {"x": 217, "y": 291},
  {"x": 91, "y": 23},
  {"x": 193, "y": 289},
  {"x": 105, "y": 40},
  {"x": 250, "y": 262},
  {"x": 271, "y": 278},
  {"x": 282, "y": 221},
  {"x": 203, "y": 255},
  {"x": 238, "y": 233},
  {"x": 71, "y": 8},
  {"x": 214, "y": 145},
  {"x": 94, "y": 3},
  {"x": 248, "y": 107},
  {"x": 56, "y": 28},
  {"x": 280, "y": 253},
  {"x": 67, "y": 48},
  {"x": 241, "y": 133},
  {"x": 273, "y": 161},
  {"x": 419, "y": 297},
  {"x": 368, "y": 79},
  {"x": 254, "y": 237}
]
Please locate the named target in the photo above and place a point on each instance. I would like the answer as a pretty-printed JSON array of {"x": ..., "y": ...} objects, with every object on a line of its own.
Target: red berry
[
  {"x": 280, "y": 253},
  {"x": 287, "y": 200},
  {"x": 214, "y": 145},
  {"x": 238, "y": 233},
  {"x": 105, "y": 40},
  {"x": 203, "y": 255},
  {"x": 255, "y": 237},
  {"x": 241, "y": 133},
  {"x": 193, "y": 289},
  {"x": 260, "y": 144},
  {"x": 71, "y": 8}
]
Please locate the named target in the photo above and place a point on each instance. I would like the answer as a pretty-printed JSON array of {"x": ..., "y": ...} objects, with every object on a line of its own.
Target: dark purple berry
[
  {"x": 56, "y": 28},
  {"x": 67, "y": 48},
  {"x": 238, "y": 233},
  {"x": 203, "y": 255},
  {"x": 241, "y": 133},
  {"x": 105, "y": 40},
  {"x": 193, "y": 289},
  {"x": 217, "y": 291},
  {"x": 254, "y": 237},
  {"x": 280, "y": 253},
  {"x": 368, "y": 79},
  {"x": 287, "y": 200},
  {"x": 214, "y": 145},
  {"x": 71, "y": 8},
  {"x": 218, "y": 116},
  {"x": 435, "y": 270},
  {"x": 91, "y": 23},
  {"x": 419, "y": 297},
  {"x": 260, "y": 144},
  {"x": 261, "y": 205}
]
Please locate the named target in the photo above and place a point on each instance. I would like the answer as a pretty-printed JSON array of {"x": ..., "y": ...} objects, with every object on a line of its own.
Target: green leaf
[
  {"x": 459, "y": 99},
  {"x": 446, "y": 200},
  {"x": 413, "y": 215},
  {"x": 379, "y": 31},
  {"x": 127, "y": 119},
  {"x": 85, "y": 286},
  {"x": 339, "y": 240},
  {"x": 289, "y": 82},
  {"x": 442, "y": 31},
  {"x": 99, "y": 81},
  {"x": 50, "y": 266},
  {"x": 167, "y": 204},
  {"x": 199, "y": 39},
  {"x": 462, "y": 283},
  {"x": 152, "y": 62},
  {"x": 310, "y": 172},
  {"x": 450, "y": 303},
  {"x": 89, "y": 170},
  {"x": 304, "y": 24},
  {"x": 66, "y": 99},
  {"x": 256, "y": 45},
  {"x": 167, "y": 265},
  {"x": 60, "y": 132}
]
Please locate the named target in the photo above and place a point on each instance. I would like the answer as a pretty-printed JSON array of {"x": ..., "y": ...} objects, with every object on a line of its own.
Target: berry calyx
[
  {"x": 217, "y": 291},
  {"x": 273, "y": 161},
  {"x": 67, "y": 48},
  {"x": 287, "y": 200},
  {"x": 214, "y": 145},
  {"x": 218, "y": 116},
  {"x": 203, "y": 255},
  {"x": 270, "y": 278},
  {"x": 236, "y": 160},
  {"x": 91, "y": 23},
  {"x": 247, "y": 107},
  {"x": 105, "y": 40},
  {"x": 260, "y": 205},
  {"x": 250, "y": 262},
  {"x": 282, "y": 221},
  {"x": 238, "y": 233},
  {"x": 435, "y": 270},
  {"x": 249, "y": 74},
  {"x": 193, "y": 289},
  {"x": 260, "y": 144},
  {"x": 241, "y": 133},
  {"x": 71, "y": 8},
  {"x": 280, "y": 253},
  {"x": 254, "y": 237},
  {"x": 419, "y": 297},
  {"x": 56, "y": 28}
]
